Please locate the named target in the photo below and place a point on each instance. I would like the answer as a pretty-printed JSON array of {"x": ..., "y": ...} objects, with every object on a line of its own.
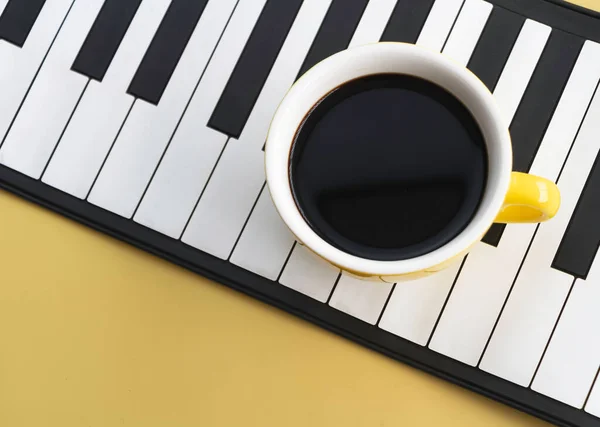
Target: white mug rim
[{"x": 380, "y": 58}]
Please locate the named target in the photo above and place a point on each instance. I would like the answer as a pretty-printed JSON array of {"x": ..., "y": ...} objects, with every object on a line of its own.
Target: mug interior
[{"x": 379, "y": 58}]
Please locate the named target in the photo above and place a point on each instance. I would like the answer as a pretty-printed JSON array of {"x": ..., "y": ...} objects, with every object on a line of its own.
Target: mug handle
[{"x": 529, "y": 199}]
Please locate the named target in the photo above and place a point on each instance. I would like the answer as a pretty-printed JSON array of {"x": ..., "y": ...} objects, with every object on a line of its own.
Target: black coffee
[{"x": 388, "y": 167}]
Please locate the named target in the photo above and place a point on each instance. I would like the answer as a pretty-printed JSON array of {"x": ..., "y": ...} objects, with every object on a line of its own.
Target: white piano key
[
  {"x": 271, "y": 233},
  {"x": 572, "y": 359},
  {"x": 414, "y": 306},
  {"x": 539, "y": 292},
  {"x": 373, "y": 22},
  {"x": 226, "y": 202},
  {"x": 265, "y": 242},
  {"x": 257, "y": 252},
  {"x": 489, "y": 272},
  {"x": 19, "y": 65},
  {"x": 51, "y": 98},
  {"x": 309, "y": 274},
  {"x": 360, "y": 298},
  {"x": 467, "y": 29},
  {"x": 569, "y": 112},
  {"x": 439, "y": 23},
  {"x": 102, "y": 109},
  {"x": 593, "y": 403},
  {"x": 146, "y": 132},
  {"x": 194, "y": 149},
  {"x": 486, "y": 278},
  {"x": 520, "y": 66},
  {"x": 239, "y": 175}
]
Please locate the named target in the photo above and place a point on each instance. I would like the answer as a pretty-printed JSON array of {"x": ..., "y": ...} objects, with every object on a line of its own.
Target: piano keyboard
[{"x": 146, "y": 119}]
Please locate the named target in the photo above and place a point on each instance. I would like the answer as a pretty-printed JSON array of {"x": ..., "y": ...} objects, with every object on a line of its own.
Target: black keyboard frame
[{"x": 557, "y": 14}]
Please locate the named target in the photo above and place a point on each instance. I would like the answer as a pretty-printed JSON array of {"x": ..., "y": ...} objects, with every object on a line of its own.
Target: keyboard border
[
  {"x": 558, "y": 14},
  {"x": 555, "y": 13}
]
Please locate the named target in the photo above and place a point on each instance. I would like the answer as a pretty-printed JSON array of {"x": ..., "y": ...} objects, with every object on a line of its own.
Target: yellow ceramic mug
[{"x": 508, "y": 196}]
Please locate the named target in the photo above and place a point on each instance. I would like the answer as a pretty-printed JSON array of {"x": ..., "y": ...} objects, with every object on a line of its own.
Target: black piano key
[
  {"x": 166, "y": 48},
  {"x": 541, "y": 96},
  {"x": 253, "y": 66},
  {"x": 494, "y": 46},
  {"x": 538, "y": 103},
  {"x": 104, "y": 38},
  {"x": 407, "y": 20},
  {"x": 18, "y": 18},
  {"x": 579, "y": 244},
  {"x": 335, "y": 32},
  {"x": 493, "y": 235}
]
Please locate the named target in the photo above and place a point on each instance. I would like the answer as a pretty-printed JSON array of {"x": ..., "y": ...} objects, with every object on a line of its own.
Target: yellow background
[{"x": 96, "y": 333}]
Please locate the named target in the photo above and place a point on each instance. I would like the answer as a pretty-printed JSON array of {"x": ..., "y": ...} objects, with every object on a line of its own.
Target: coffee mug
[{"x": 508, "y": 197}]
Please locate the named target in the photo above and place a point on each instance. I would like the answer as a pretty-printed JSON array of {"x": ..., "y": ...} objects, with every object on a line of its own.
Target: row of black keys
[
  {"x": 580, "y": 243},
  {"x": 106, "y": 34}
]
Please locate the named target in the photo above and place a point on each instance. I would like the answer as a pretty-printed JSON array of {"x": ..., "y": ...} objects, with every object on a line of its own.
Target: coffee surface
[{"x": 388, "y": 167}]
